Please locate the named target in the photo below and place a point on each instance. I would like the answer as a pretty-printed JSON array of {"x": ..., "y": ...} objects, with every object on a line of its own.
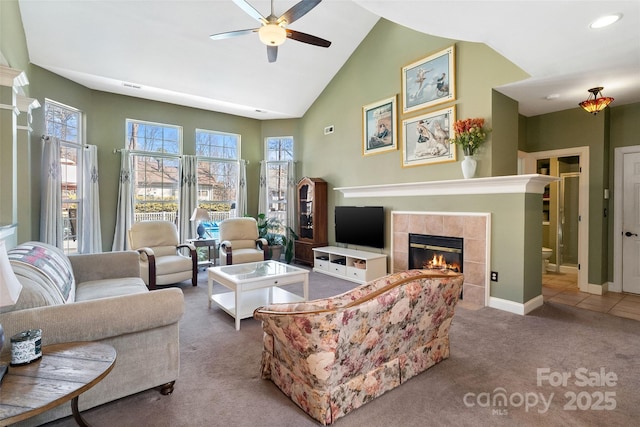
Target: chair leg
[
  {"x": 194, "y": 263},
  {"x": 152, "y": 272}
]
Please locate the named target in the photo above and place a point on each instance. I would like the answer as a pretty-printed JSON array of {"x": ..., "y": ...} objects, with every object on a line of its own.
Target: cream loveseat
[
  {"x": 98, "y": 297},
  {"x": 333, "y": 355}
]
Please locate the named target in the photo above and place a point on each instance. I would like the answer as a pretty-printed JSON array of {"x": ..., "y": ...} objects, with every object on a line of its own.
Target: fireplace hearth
[{"x": 436, "y": 252}]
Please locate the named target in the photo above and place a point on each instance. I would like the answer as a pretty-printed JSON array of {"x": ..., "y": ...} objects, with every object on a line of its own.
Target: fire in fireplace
[{"x": 435, "y": 252}]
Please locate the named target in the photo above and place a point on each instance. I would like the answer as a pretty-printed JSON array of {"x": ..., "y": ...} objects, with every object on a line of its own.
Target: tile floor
[{"x": 562, "y": 288}]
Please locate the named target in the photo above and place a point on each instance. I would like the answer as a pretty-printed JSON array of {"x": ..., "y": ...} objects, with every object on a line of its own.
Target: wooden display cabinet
[{"x": 312, "y": 218}]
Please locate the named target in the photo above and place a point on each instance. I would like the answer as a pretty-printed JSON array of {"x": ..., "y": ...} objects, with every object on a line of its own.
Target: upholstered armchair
[
  {"x": 160, "y": 260},
  {"x": 239, "y": 242},
  {"x": 333, "y": 355}
]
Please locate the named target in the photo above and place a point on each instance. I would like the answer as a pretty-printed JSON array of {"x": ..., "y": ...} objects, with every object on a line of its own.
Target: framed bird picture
[
  {"x": 426, "y": 138},
  {"x": 429, "y": 81}
]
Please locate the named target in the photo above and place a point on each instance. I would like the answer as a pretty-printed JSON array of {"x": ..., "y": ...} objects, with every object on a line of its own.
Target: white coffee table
[{"x": 255, "y": 284}]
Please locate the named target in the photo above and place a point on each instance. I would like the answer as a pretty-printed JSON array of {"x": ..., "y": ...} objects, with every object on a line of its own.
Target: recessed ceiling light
[
  {"x": 607, "y": 20},
  {"x": 552, "y": 96}
]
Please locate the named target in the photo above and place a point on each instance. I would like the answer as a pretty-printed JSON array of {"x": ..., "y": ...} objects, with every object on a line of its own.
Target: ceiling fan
[{"x": 274, "y": 31}]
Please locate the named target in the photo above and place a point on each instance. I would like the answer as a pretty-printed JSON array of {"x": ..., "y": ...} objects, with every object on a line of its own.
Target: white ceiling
[{"x": 162, "y": 48}]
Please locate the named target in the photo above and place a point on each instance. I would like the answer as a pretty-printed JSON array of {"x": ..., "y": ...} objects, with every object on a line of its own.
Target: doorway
[
  {"x": 626, "y": 223},
  {"x": 566, "y": 215}
]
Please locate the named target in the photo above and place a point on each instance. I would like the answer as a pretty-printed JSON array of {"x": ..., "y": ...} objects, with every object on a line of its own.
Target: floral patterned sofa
[{"x": 332, "y": 355}]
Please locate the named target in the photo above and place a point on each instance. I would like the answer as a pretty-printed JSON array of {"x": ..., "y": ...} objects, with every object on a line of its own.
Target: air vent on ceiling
[{"x": 131, "y": 85}]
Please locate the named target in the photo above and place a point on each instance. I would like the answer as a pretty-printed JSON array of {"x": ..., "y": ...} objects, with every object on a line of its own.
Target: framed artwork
[
  {"x": 429, "y": 81},
  {"x": 379, "y": 127},
  {"x": 426, "y": 138}
]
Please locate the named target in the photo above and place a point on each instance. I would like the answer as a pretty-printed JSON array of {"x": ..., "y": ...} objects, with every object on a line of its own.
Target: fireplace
[
  {"x": 472, "y": 228},
  {"x": 436, "y": 252}
]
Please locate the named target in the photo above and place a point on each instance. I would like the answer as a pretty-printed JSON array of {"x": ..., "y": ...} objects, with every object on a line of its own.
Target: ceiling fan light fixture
[
  {"x": 272, "y": 34},
  {"x": 593, "y": 104}
]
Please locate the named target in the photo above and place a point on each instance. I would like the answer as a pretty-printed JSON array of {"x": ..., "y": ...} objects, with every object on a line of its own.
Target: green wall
[
  {"x": 504, "y": 146},
  {"x": 365, "y": 79},
  {"x": 575, "y": 128}
]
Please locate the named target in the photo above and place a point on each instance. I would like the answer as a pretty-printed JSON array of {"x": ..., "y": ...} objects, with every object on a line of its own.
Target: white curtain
[
  {"x": 292, "y": 189},
  {"x": 89, "y": 226},
  {"x": 241, "y": 202},
  {"x": 51, "y": 227},
  {"x": 188, "y": 197},
  {"x": 124, "y": 213},
  {"x": 262, "y": 195}
]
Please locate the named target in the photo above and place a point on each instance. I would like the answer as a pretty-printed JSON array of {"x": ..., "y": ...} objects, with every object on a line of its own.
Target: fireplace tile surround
[{"x": 474, "y": 228}]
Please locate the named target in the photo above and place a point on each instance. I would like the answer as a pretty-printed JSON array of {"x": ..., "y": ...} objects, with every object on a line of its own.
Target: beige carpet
[{"x": 491, "y": 352}]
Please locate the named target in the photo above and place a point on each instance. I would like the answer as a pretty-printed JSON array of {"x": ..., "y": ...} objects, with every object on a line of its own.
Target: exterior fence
[{"x": 171, "y": 216}]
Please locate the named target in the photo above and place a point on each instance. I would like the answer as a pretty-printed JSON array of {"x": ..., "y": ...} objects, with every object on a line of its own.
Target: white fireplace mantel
[{"x": 532, "y": 183}]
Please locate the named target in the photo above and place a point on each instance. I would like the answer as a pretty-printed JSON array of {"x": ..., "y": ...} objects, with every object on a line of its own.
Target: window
[
  {"x": 65, "y": 123},
  {"x": 279, "y": 149},
  {"x": 278, "y": 153},
  {"x": 218, "y": 172},
  {"x": 156, "y": 150}
]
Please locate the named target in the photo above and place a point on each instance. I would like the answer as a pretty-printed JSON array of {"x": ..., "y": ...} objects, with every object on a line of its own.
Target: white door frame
[
  {"x": 619, "y": 153},
  {"x": 527, "y": 164}
]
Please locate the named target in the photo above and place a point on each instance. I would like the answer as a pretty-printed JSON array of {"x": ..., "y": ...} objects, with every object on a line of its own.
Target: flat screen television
[{"x": 360, "y": 225}]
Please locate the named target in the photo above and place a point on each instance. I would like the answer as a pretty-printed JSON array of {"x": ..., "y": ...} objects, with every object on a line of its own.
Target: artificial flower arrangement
[{"x": 470, "y": 134}]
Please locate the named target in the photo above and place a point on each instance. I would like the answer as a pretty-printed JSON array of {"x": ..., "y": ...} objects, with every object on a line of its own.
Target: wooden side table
[
  {"x": 209, "y": 243},
  {"x": 64, "y": 372}
]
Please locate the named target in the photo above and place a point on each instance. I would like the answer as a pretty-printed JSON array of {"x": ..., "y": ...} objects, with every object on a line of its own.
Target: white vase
[{"x": 468, "y": 167}]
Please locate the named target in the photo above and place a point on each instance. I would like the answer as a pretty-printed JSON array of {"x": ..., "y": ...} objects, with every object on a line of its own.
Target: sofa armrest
[
  {"x": 106, "y": 265},
  {"x": 263, "y": 245},
  {"x": 226, "y": 249},
  {"x": 96, "y": 320}
]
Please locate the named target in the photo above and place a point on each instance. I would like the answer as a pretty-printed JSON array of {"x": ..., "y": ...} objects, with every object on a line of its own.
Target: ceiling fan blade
[
  {"x": 230, "y": 34},
  {"x": 250, "y": 10},
  {"x": 307, "y": 38},
  {"x": 297, "y": 11},
  {"x": 272, "y": 53}
]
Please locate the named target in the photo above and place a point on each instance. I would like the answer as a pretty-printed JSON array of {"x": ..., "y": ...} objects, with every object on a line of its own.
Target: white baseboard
[
  {"x": 614, "y": 287},
  {"x": 552, "y": 268},
  {"x": 598, "y": 289},
  {"x": 516, "y": 307}
]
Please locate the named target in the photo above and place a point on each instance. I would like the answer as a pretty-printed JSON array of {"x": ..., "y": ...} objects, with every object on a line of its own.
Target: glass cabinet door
[{"x": 306, "y": 211}]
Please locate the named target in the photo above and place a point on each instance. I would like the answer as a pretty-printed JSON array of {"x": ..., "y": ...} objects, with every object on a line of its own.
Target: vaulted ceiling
[{"x": 161, "y": 50}]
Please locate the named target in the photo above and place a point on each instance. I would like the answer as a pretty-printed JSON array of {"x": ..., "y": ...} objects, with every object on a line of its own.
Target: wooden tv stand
[{"x": 349, "y": 264}]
